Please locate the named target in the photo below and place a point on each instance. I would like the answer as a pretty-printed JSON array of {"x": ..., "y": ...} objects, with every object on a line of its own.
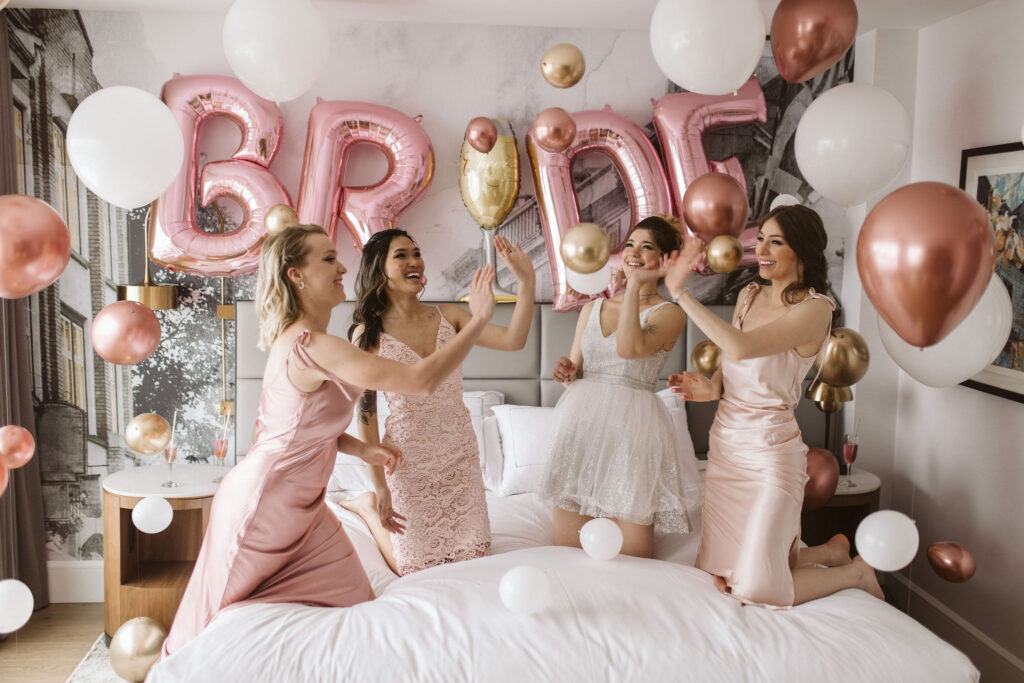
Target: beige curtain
[{"x": 22, "y": 539}]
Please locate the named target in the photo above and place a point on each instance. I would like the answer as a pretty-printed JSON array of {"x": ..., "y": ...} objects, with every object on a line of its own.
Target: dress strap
[
  {"x": 752, "y": 289},
  {"x": 300, "y": 350},
  {"x": 811, "y": 294}
]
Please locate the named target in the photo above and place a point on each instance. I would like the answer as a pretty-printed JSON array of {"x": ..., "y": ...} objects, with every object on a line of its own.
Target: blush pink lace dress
[{"x": 439, "y": 486}]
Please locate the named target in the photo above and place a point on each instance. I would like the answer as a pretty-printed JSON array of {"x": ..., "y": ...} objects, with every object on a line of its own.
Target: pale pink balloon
[
  {"x": 16, "y": 446},
  {"x": 175, "y": 239},
  {"x": 125, "y": 333},
  {"x": 635, "y": 160},
  {"x": 481, "y": 134},
  {"x": 4, "y": 476},
  {"x": 35, "y": 246},
  {"x": 554, "y": 129},
  {"x": 334, "y": 127}
]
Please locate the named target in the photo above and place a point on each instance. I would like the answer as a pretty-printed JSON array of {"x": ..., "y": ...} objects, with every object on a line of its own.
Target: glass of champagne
[
  {"x": 849, "y": 455},
  {"x": 170, "y": 453},
  {"x": 220, "y": 450}
]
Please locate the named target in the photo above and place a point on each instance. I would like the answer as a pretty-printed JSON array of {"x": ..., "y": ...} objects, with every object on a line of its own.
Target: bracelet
[{"x": 676, "y": 298}]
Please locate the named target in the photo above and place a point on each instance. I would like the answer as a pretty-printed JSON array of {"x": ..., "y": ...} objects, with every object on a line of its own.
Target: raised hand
[
  {"x": 691, "y": 386},
  {"x": 389, "y": 519},
  {"x": 565, "y": 371},
  {"x": 679, "y": 265},
  {"x": 381, "y": 455},
  {"x": 515, "y": 258},
  {"x": 481, "y": 293}
]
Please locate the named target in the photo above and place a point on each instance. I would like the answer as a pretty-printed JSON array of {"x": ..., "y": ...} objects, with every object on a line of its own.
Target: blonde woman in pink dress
[
  {"x": 757, "y": 464},
  {"x": 433, "y": 510},
  {"x": 271, "y": 536}
]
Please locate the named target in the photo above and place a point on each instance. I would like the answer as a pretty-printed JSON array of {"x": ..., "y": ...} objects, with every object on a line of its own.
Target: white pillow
[
  {"x": 492, "y": 461},
  {"x": 526, "y": 433}
]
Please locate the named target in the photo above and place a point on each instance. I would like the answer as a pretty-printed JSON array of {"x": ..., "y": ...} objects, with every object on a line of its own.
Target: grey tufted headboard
[{"x": 524, "y": 376}]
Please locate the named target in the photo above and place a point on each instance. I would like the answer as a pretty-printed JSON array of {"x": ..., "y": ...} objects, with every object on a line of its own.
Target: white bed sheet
[{"x": 627, "y": 619}]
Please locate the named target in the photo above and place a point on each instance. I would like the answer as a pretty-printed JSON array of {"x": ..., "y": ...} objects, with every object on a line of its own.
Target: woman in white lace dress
[{"x": 614, "y": 452}]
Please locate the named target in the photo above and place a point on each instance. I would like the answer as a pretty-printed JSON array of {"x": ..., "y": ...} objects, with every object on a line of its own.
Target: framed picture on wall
[{"x": 995, "y": 177}]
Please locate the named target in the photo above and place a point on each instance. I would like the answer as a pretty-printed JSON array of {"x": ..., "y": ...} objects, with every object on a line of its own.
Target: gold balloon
[
  {"x": 279, "y": 217},
  {"x": 706, "y": 358},
  {"x": 135, "y": 647},
  {"x": 844, "y": 360},
  {"x": 724, "y": 253},
  {"x": 489, "y": 182},
  {"x": 563, "y": 65},
  {"x": 585, "y": 248},
  {"x": 147, "y": 434}
]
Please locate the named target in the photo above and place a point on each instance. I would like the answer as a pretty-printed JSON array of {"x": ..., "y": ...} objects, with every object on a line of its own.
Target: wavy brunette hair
[
  {"x": 277, "y": 303},
  {"x": 371, "y": 287},
  {"x": 805, "y": 234}
]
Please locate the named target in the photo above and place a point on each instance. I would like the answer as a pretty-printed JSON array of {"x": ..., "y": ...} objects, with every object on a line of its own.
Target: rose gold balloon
[
  {"x": 35, "y": 246},
  {"x": 715, "y": 204},
  {"x": 585, "y": 248},
  {"x": 724, "y": 253},
  {"x": 809, "y": 36},
  {"x": 823, "y": 476},
  {"x": 4, "y": 476},
  {"x": 563, "y": 65},
  {"x": 706, "y": 358},
  {"x": 951, "y": 561},
  {"x": 925, "y": 256},
  {"x": 554, "y": 129},
  {"x": 844, "y": 360},
  {"x": 16, "y": 446},
  {"x": 125, "y": 333},
  {"x": 481, "y": 134},
  {"x": 147, "y": 434},
  {"x": 279, "y": 217}
]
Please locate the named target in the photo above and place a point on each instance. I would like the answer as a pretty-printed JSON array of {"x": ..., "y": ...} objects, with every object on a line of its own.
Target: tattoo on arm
[
  {"x": 367, "y": 406},
  {"x": 650, "y": 329}
]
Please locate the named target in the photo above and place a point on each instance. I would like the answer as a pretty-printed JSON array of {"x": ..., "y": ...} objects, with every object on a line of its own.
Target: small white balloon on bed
[
  {"x": 601, "y": 538},
  {"x": 887, "y": 540},
  {"x": 525, "y": 590},
  {"x": 152, "y": 514}
]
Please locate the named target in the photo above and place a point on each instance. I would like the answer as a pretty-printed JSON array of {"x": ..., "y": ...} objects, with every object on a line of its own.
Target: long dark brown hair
[
  {"x": 371, "y": 287},
  {"x": 805, "y": 234},
  {"x": 666, "y": 230}
]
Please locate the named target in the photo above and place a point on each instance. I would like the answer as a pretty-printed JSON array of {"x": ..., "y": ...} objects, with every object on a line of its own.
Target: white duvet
[{"x": 624, "y": 620}]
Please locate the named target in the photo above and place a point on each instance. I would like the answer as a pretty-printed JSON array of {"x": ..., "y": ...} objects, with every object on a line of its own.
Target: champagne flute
[
  {"x": 849, "y": 455},
  {"x": 170, "y": 453},
  {"x": 220, "y": 450}
]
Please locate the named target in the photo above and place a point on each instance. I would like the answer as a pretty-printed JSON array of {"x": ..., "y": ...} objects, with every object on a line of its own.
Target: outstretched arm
[{"x": 661, "y": 332}]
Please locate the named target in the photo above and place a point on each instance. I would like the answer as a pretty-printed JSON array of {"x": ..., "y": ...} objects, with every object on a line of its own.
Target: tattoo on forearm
[{"x": 367, "y": 406}]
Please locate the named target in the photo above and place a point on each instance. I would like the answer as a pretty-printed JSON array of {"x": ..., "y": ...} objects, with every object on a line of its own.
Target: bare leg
[
  {"x": 834, "y": 553},
  {"x": 567, "y": 527},
  {"x": 365, "y": 506},
  {"x": 637, "y": 539},
  {"x": 811, "y": 583}
]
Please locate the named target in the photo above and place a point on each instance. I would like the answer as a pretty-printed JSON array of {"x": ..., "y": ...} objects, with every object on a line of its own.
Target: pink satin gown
[
  {"x": 271, "y": 536},
  {"x": 757, "y": 468}
]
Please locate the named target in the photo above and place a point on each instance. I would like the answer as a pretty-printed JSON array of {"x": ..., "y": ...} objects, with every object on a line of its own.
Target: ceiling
[{"x": 585, "y": 14}]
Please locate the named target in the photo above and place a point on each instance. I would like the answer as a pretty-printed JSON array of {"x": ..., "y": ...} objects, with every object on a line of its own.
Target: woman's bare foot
[
  {"x": 364, "y": 505},
  {"x": 868, "y": 579},
  {"x": 839, "y": 547}
]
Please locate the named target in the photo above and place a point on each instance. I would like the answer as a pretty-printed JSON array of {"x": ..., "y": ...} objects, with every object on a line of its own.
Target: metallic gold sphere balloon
[
  {"x": 135, "y": 647},
  {"x": 724, "y": 253},
  {"x": 585, "y": 248},
  {"x": 844, "y": 360},
  {"x": 147, "y": 434},
  {"x": 279, "y": 217},
  {"x": 563, "y": 65},
  {"x": 952, "y": 561},
  {"x": 706, "y": 358},
  {"x": 16, "y": 446}
]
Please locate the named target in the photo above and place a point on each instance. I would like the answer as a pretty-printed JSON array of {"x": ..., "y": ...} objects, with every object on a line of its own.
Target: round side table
[
  {"x": 144, "y": 575},
  {"x": 844, "y": 512}
]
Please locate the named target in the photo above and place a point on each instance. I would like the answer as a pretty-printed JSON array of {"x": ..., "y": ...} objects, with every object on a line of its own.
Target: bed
[{"x": 626, "y": 619}]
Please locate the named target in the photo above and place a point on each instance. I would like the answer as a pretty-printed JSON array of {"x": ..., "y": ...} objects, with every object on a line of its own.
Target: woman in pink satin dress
[
  {"x": 271, "y": 536},
  {"x": 432, "y": 511},
  {"x": 757, "y": 465}
]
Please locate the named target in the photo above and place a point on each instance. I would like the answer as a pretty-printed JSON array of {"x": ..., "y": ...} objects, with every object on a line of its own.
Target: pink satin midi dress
[
  {"x": 756, "y": 472},
  {"x": 271, "y": 536}
]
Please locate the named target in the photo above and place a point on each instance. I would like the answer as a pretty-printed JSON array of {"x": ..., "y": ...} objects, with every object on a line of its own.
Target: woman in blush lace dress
[
  {"x": 271, "y": 536},
  {"x": 433, "y": 509},
  {"x": 757, "y": 464}
]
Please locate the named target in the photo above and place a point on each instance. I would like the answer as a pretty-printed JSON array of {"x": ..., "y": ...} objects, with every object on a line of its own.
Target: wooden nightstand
[
  {"x": 844, "y": 512},
  {"x": 144, "y": 575}
]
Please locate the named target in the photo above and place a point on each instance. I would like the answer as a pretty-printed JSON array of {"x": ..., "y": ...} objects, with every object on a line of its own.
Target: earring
[{"x": 302, "y": 285}]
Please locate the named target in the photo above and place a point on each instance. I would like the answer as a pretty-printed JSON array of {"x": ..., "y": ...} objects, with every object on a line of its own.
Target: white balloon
[
  {"x": 967, "y": 350},
  {"x": 589, "y": 283},
  {"x": 601, "y": 538},
  {"x": 710, "y": 47},
  {"x": 852, "y": 141},
  {"x": 125, "y": 145},
  {"x": 525, "y": 590},
  {"x": 152, "y": 514},
  {"x": 278, "y": 49},
  {"x": 887, "y": 540},
  {"x": 16, "y": 605},
  {"x": 784, "y": 200}
]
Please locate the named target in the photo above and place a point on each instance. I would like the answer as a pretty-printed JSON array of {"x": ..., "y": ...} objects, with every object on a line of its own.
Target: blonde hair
[{"x": 277, "y": 302}]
